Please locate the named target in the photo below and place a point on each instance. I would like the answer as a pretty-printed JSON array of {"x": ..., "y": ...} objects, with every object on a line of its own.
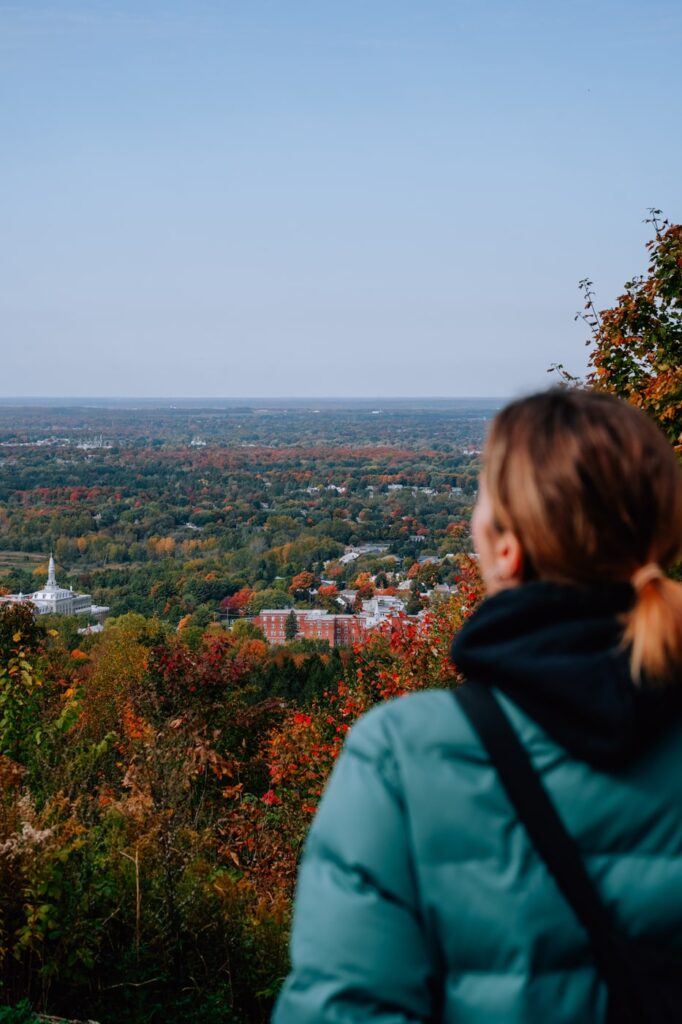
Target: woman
[{"x": 421, "y": 896}]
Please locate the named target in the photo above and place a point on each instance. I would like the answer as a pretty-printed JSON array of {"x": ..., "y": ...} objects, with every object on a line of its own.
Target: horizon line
[{"x": 248, "y": 398}]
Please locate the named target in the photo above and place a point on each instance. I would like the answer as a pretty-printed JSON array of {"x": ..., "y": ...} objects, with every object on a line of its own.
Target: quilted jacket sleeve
[{"x": 358, "y": 950}]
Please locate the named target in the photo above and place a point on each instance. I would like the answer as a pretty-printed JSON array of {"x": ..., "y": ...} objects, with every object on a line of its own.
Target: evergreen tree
[
  {"x": 291, "y": 626},
  {"x": 414, "y": 605}
]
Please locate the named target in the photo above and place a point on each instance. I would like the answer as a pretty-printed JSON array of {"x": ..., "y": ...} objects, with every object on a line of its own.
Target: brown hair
[{"x": 593, "y": 491}]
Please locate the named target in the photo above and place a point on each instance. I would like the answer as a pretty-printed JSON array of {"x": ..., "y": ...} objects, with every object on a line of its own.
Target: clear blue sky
[{"x": 332, "y": 197}]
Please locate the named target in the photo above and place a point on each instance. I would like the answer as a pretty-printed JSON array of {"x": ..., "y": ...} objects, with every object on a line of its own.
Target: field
[{"x": 19, "y": 560}]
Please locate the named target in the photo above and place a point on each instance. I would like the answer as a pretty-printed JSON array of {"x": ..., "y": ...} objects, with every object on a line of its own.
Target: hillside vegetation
[{"x": 154, "y": 799}]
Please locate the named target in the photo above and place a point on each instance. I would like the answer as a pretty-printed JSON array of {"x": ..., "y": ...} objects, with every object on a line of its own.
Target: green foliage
[
  {"x": 66, "y": 627},
  {"x": 22, "y": 1013},
  {"x": 18, "y": 619},
  {"x": 242, "y": 628},
  {"x": 19, "y": 708},
  {"x": 269, "y": 598}
]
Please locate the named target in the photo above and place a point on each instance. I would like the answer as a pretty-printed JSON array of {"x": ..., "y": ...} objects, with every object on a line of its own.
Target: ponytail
[{"x": 653, "y": 628}]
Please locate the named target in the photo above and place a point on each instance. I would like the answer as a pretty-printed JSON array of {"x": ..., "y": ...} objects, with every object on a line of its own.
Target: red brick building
[{"x": 337, "y": 630}]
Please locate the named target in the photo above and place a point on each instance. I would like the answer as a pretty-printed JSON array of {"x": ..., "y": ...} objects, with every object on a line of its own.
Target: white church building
[{"x": 55, "y": 600}]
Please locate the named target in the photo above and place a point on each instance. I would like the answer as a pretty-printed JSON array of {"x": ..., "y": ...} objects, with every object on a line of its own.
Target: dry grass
[
  {"x": 20, "y": 559},
  {"x": 62, "y": 1020}
]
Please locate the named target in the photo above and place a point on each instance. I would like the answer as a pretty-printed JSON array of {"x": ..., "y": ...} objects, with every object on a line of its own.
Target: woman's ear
[
  {"x": 499, "y": 551},
  {"x": 508, "y": 556}
]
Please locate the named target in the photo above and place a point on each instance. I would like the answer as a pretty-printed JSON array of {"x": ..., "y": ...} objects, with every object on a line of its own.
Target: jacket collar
[{"x": 557, "y": 652}]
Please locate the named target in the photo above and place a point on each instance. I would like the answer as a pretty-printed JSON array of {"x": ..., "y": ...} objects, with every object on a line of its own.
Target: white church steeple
[{"x": 56, "y": 600}]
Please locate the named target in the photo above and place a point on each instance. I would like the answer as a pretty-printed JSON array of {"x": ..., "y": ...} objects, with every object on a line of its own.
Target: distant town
[{"x": 346, "y": 515}]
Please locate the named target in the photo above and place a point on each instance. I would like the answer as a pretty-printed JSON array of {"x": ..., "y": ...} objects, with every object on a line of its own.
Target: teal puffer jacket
[{"x": 418, "y": 884}]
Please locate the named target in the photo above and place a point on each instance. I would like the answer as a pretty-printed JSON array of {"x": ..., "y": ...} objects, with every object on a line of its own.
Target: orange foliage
[
  {"x": 403, "y": 656},
  {"x": 302, "y": 582},
  {"x": 237, "y": 602}
]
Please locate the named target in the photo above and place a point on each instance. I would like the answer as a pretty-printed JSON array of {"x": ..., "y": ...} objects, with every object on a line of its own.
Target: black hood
[{"x": 556, "y": 651}]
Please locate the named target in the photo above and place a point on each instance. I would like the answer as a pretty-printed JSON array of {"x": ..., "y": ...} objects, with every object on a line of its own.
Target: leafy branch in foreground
[{"x": 636, "y": 345}]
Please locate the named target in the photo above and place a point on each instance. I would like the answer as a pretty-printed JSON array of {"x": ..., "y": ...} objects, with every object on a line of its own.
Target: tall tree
[
  {"x": 290, "y": 626},
  {"x": 636, "y": 346}
]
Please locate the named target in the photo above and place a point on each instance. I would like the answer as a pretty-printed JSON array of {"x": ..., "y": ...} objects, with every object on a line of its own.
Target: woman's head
[{"x": 580, "y": 487}]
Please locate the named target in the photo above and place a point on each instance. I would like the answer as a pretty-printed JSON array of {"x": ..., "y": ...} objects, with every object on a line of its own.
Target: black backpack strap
[{"x": 536, "y": 811}]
